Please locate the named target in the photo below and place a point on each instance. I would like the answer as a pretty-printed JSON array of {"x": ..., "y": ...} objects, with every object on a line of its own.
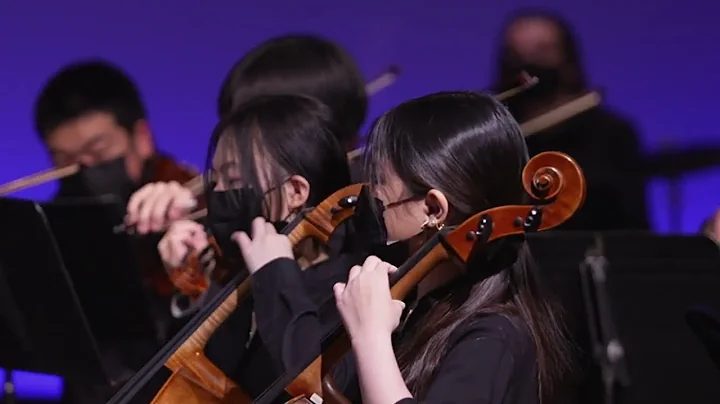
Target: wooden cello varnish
[{"x": 195, "y": 379}]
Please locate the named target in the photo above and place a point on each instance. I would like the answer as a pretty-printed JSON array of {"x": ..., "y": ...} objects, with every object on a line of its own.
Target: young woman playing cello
[
  {"x": 468, "y": 338},
  {"x": 272, "y": 157}
]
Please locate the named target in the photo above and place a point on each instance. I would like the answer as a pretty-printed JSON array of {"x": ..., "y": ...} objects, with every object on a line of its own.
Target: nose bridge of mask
[
  {"x": 236, "y": 205},
  {"x": 105, "y": 173},
  {"x": 109, "y": 177}
]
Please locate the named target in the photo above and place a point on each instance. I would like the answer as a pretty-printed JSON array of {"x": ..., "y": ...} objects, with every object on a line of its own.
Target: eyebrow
[{"x": 97, "y": 138}]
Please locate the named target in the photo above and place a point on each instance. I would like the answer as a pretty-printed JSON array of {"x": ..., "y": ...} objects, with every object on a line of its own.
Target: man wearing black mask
[
  {"x": 90, "y": 113},
  {"x": 605, "y": 145}
]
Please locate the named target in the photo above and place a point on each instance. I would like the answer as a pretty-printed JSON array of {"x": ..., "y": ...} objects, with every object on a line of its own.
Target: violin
[
  {"x": 195, "y": 379},
  {"x": 165, "y": 169},
  {"x": 557, "y": 187}
]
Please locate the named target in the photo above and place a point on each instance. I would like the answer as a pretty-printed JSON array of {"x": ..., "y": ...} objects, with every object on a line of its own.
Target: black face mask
[
  {"x": 369, "y": 222},
  {"x": 371, "y": 230},
  {"x": 101, "y": 179},
  {"x": 232, "y": 211},
  {"x": 548, "y": 81},
  {"x": 549, "y": 78}
]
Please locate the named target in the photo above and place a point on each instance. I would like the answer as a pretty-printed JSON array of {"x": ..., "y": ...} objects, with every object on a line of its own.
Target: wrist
[{"x": 371, "y": 340}]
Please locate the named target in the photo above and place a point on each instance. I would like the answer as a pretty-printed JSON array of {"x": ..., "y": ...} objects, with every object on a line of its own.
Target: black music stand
[
  {"x": 43, "y": 326},
  {"x": 607, "y": 347},
  {"x": 651, "y": 284},
  {"x": 72, "y": 301},
  {"x": 104, "y": 270}
]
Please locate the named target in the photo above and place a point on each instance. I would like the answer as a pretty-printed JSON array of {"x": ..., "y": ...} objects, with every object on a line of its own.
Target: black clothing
[
  {"x": 249, "y": 364},
  {"x": 490, "y": 359},
  {"x": 607, "y": 148}
]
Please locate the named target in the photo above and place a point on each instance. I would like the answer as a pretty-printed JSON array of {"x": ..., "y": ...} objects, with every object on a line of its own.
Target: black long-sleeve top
[
  {"x": 490, "y": 359},
  {"x": 246, "y": 359}
]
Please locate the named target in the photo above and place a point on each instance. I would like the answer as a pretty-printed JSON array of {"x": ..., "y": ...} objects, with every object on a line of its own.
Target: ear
[
  {"x": 142, "y": 139},
  {"x": 436, "y": 206},
  {"x": 297, "y": 192}
]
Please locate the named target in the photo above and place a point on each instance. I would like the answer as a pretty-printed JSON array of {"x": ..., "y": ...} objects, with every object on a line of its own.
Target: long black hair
[
  {"x": 291, "y": 132},
  {"x": 301, "y": 64},
  {"x": 468, "y": 146}
]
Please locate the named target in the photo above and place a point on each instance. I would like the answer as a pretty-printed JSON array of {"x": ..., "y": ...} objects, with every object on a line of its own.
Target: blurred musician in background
[
  {"x": 90, "y": 113},
  {"x": 307, "y": 65},
  {"x": 604, "y": 144}
]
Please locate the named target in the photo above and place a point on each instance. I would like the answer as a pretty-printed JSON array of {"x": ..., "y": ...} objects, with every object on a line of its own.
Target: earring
[{"x": 431, "y": 221}]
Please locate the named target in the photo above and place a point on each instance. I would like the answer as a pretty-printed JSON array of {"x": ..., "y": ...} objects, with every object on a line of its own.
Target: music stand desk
[
  {"x": 652, "y": 282},
  {"x": 43, "y": 323}
]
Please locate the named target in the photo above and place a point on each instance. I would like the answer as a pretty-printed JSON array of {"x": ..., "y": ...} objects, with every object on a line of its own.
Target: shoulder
[
  {"x": 490, "y": 359},
  {"x": 498, "y": 330}
]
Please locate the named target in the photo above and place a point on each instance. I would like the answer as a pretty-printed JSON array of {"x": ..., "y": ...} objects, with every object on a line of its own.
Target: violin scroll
[{"x": 556, "y": 184}]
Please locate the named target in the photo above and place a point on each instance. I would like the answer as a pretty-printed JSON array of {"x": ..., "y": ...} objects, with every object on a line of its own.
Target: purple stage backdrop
[{"x": 655, "y": 61}]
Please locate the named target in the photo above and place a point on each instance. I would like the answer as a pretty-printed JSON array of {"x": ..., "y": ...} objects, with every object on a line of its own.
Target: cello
[
  {"x": 195, "y": 379},
  {"x": 557, "y": 188}
]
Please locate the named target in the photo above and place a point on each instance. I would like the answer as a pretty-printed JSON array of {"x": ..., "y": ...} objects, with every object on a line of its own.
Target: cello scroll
[{"x": 556, "y": 186}]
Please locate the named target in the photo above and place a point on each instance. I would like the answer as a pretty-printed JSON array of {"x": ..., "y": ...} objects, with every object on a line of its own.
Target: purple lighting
[{"x": 34, "y": 386}]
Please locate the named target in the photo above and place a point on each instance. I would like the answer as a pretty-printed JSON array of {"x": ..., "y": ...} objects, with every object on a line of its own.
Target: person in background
[
  {"x": 91, "y": 113},
  {"x": 308, "y": 65},
  {"x": 605, "y": 144}
]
